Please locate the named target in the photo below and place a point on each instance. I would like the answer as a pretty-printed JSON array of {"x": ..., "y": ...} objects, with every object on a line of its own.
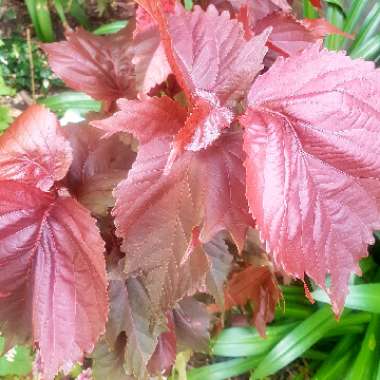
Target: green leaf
[
  {"x": 31, "y": 6},
  {"x": 5, "y": 118},
  {"x": 308, "y": 10},
  {"x": 369, "y": 49},
  {"x": 366, "y": 361},
  {"x": 60, "y": 11},
  {"x": 293, "y": 310},
  {"x": 44, "y": 20},
  {"x": 224, "y": 370},
  {"x": 296, "y": 342},
  {"x": 111, "y": 28},
  {"x": 338, "y": 360},
  {"x": 364, "y": 297},
  {"x": 370, "y": 27},
  {"x": 77, "y": 11},
  {"x": 335, "y": 15},
  {"x": 246, "y": 341},
  {"x": 71, "y": 101},
  {"x": 17, "y": 362}
]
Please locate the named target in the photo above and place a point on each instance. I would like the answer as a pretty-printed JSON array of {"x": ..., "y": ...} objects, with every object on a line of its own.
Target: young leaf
[
  {"x": 256, "y": 284},
  {"x": 53, "y": 274},
  {"x": 34, "y": 150},
  {"x": 100, "y": 66},
  {"x": 214, "y": 66},
  {"x": 310, "y": 158},
  {"x": 169, "y": 207}
]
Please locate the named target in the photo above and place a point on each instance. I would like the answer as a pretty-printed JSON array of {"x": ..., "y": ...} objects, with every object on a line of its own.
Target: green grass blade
[
  {"x": 44, "y": 20},
  {"x": 111, "y": 28},
  {"x": 77, "y": 11},
  {"x": 295, "y": 343},
  {"x": 70, "y": 100},
  {"x": 246, "y": 341},
  {"x": 31, "y": 6},
  {"x": 223, "y": 370},
  {"x": 293, "y": 310},
  {"x": 370, "y": 27},
  {"x": 365, "y": 297},
  {"x": 369, "y": 50},
  {"x": 308, "y": 10},
  {"x": 366, "y": 361},
  {"x": 353, "y": 15},
  {"x": 335, "y": 15},
  {"x": 60, "y": 11},
  {"x": 338, "y": 359}
]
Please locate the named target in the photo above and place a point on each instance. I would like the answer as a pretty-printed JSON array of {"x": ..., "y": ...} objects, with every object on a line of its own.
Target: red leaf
[
  {"x": 33, "y": 149},
  {"x": 317, "y": 3},
  {"x": 310, "y": 146},
  {"x": 166, "y": 208},
  {"x": 257, "y": 9},
  {"x": 97, "y": 65},
  {"x": 214, "y": 66},
  {"x": 256, "y": 284},
  {"x": 289, "y": 36},
  {"x": 321, "y": 28},
  {"x": 53, "y": 269},
  {"x": 98, "y": 166},
  {"x": 164, "y": 356}
]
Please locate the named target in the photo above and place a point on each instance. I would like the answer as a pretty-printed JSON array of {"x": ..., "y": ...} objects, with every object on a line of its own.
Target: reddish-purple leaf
[
  {"x": 33, "y": 150},
  {"x": 311, "y": 148},
  {"x": 257, "y": 9},
  {"x": 164, "y": 355},
  {"x": 166, "y": 208},
  {"x": 98, "y": 166},
  {"x": 131, "y": 312},
  {"x": 290, "y": 36},
  {"x": 53, "y": 273},
  {"x": 100, "y": 66},
  {"x": 220, "y": 264},
  {"x": 192, "y": 323}
]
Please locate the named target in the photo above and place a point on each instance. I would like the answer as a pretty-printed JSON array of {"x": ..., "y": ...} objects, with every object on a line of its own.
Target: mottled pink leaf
[
  {"x": 100, "y": 66},
  {"x": 311, "y": 148},
  {"x": 53, "y": 272},
  {"x": 33, "y": 149}
]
